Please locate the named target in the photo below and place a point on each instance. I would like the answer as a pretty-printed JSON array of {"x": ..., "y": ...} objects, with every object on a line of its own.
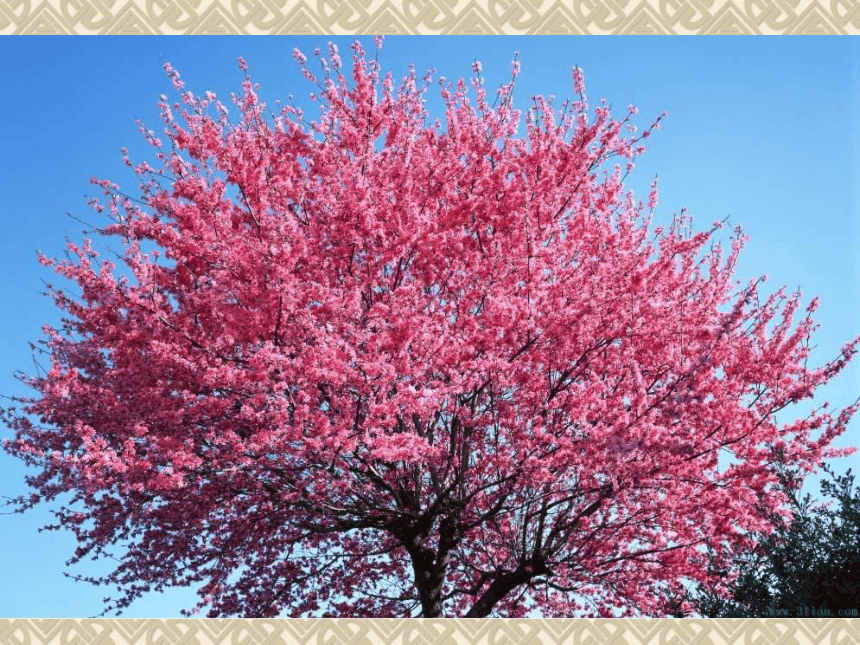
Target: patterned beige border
[
  {"x": 598, "y": 631},
  {"x": 429, "y": 16}
]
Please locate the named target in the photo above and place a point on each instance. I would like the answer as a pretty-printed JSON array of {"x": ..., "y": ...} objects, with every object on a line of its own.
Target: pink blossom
[
  {"x": 459, "y": 347},
  {"x": 652, "y": 196},
  {"x": 334, "y": 56},
  {"x": 578, "y": 80}
]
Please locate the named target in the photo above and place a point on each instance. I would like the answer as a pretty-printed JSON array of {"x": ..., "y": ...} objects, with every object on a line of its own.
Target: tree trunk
[
  {"x": 498, "y": 589},
  {"x": 429, "y": 576}
]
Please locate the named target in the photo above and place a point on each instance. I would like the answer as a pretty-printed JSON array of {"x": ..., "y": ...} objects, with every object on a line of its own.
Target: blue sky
[{"x": 762, "y": 129}]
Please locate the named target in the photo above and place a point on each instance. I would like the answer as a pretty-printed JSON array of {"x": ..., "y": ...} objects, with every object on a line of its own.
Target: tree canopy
[
  {"x": 376, "y": 365},
  {"x": 808, "y": 567}
]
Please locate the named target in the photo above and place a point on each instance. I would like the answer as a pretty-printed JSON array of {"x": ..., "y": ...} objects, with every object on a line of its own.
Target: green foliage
[{"x": 808, "y": 567}]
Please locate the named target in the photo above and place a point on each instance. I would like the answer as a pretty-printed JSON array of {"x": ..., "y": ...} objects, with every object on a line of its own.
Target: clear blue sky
[{"x": 764, "y": 129}]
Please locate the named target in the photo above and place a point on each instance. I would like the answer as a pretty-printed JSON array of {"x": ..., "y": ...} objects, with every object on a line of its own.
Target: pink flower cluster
[{"x": 385, "y": 367}]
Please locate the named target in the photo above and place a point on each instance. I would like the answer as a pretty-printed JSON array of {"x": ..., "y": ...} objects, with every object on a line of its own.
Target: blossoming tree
[{"x": 372, "y": 365}]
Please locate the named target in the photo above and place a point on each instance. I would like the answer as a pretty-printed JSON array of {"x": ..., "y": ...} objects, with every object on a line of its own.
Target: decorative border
[
  {"x": 596, "y": 631},
  {"x": 429, "y": 17}
]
